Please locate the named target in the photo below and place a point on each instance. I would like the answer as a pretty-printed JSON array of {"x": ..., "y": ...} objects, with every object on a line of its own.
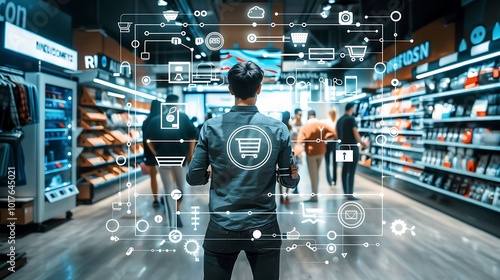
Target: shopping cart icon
[
  {"x": 170, "y": 161},
  {"x": 356, "y": 52},
  {"x": 299, "y": 38},
  {"x": 249, "y": 147}
]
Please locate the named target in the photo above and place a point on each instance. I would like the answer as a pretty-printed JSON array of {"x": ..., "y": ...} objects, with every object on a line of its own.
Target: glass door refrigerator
[{"x": 49, "y": 147}]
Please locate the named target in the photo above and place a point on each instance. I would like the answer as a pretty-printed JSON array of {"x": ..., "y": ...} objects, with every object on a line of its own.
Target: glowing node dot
[
  {"x": 254, "y": 24},
  {"x": 358, "y": 24},
  {"x": 276, "y": 14},
  {"x": 366, "y": 17},
  {"x": 129, "y": 212},
  {"x": 327, "y": 262},
  {"x": 227, "y": 212}
]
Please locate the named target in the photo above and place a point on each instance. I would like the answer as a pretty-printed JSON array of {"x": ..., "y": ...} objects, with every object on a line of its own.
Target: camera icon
[{"x": 345, "y": 18}]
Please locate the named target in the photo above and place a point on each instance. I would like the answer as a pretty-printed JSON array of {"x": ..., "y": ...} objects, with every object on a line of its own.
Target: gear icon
[
  {"x": 192, "y": 247},
  {"x": 398, "y": 227}
]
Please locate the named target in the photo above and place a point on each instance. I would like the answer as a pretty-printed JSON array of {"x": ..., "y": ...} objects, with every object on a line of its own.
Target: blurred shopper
[
  {"x": 331, "y": 147},
  {"x": 237, "y": 190},
  {"x": 149, "y": 157},
  {"x": 347, "y": 129},
  {"x": 313, "y": 134},
  {"x": 174, "y": 147}
]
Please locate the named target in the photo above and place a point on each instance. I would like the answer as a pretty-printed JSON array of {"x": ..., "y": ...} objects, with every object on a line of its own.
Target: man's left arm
[
  {"x": 287, "y": 170},
  {"x": 197, "y": 172}
]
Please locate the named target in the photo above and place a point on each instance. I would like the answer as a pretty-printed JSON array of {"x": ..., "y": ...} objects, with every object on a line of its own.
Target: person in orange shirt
[{"x": 313, "y": 134}]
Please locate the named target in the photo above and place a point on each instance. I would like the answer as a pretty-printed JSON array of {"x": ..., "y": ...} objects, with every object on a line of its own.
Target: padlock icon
[
  {"x": 126, "y": 65},
  {"x": 344, "y": 155}
]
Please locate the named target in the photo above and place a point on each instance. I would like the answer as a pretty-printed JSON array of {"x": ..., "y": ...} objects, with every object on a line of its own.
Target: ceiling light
[
  {"x": 197, "y": 56},
  {"x": 327, "y": 6},
  {"x": 188, "y": 38},
  {"x": 331, "y": 1},
  {"x": 162, "y": 3},
  {"x": 203, "y": 54},
  {"x": 325, "y": 14},
  {"x": 125, "y": 89}
]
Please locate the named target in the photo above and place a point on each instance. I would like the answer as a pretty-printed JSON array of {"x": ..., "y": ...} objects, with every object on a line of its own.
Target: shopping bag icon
[
  {"x": 344, "y": 155},
  {"x": 351, "y": 214}
]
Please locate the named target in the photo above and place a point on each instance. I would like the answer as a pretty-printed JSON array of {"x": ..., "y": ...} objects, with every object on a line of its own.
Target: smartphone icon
[{"x": 351, "y": 85}]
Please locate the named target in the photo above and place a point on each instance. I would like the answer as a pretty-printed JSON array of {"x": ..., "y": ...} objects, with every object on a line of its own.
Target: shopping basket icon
[
  {"x": 169, "y": 161},
  {"x": 356, "y": 52},
  {"x": 299, "y": 38},
  {"x": 170, "y": 15},
  {"x": 249, "y": 147}
]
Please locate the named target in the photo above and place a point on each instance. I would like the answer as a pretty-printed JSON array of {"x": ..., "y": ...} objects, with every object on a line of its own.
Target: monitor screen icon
[{"x": 321, "y": 54}]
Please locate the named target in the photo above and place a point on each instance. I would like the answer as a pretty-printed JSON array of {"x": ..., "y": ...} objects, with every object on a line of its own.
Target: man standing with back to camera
[
  {"x": 243, "y": 214},
  {"x": 348, "y": 134}
]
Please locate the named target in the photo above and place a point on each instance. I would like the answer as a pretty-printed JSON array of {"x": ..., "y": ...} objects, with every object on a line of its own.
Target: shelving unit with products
[
  {"x": 111, "y": 143},
  {"x": 50, "y": 144},
  {"x": 449, "y": 143}
]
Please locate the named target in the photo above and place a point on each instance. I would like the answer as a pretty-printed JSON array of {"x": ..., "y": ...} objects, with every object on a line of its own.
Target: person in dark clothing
[
  {"x": 331, "y": 147},
  {"x": 149, "y": 157},
  {"x": 348, "y": 134},
  {"x": 242, "y": 180},
  {"x": 176, "y": 141}
]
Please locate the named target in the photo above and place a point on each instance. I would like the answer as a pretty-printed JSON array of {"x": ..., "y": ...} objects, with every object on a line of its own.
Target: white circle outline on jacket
[{"x": 231, "y": 138}]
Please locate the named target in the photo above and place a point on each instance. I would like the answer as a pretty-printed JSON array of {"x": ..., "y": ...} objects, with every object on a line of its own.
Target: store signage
[
  {"x": 30, "y": 44},
  {"x": 100, "y": 61},
  {"x": 13, "y": 13},
  {"x": 409, "y": 57}
]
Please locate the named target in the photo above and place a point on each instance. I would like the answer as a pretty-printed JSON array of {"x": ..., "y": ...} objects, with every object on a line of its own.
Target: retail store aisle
[{"x": 443, "y": 247}]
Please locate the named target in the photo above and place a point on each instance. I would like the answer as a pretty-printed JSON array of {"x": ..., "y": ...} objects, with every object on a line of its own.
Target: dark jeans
[
  {"x": 349, "y": 171},
  {"x": 331, "y": 147},
  {"x": 223, "y": 246}
]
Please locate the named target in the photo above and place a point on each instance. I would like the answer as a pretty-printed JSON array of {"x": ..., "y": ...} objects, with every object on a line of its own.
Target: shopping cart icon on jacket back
[{"x": 249, "y": 147}]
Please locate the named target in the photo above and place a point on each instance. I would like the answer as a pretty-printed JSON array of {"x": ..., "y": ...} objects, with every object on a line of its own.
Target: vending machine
[{"x": 50, "y": 148}]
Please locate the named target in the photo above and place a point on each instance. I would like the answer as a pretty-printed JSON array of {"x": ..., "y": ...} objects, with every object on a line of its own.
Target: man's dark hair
[
  {"x": 244, "y": 79},
  {"x": 298, "y": 110},
  {"x": 172, "y": 98},
  {"x": 349, "y": 106},
  {"x": 311, "y": 113}
]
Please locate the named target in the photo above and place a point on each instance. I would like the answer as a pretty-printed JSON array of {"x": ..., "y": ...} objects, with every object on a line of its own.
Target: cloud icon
[{"x": 256, "y": 12}]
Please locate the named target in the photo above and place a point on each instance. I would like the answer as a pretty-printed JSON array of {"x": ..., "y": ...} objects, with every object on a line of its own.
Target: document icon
[{"x": 351, "y": 214}]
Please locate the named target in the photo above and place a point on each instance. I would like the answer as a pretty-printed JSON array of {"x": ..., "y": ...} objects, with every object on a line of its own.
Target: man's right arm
[{"x": 197, "y": 172}]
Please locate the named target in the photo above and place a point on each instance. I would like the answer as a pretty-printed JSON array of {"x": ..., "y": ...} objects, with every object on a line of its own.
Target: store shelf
[
  {"x": 56, "y": 100},
  {"x": 400, "y": 115},
  {"x": 397, "y": 97},
  {"x": 396, "y": 147},
  {"x": 57, "y": 139},
  {"x": 393, "y": 160},
  {"x": 462, "y": 145},
  {"x": 464, "y": 119},
  {"x": 57, "y": 170},
  {"x": 445, "y": 192},
  {"x": 463, "y": 173},
  {"x": 460, "y": 92},
  {"x": 386, "y": 131},
  {"x": 365, "y": 153},
  {"x": 123, "y": 109},
  {"x": 56, "y": 129}
]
